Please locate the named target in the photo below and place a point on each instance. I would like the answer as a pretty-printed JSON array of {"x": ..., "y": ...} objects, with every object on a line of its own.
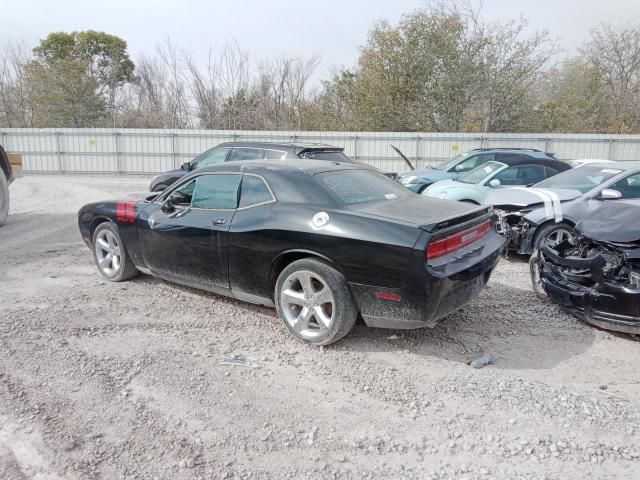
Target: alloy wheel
[
  {"x": 307, "y": 303},
  {"x": 108, "y": 253},
  {"x": 557, "y": 236}
]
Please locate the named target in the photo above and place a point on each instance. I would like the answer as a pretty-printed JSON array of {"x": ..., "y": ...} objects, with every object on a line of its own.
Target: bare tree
[{"x": 15, "y": 100}]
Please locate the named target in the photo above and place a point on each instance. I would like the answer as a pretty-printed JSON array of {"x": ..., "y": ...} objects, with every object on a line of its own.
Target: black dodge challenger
[{"x": 322, "y": 241}]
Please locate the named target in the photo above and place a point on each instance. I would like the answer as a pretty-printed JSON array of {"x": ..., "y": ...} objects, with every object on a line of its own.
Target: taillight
[
  {"x": 126, "y": 212},
  {"x": 455, "y": 241}
]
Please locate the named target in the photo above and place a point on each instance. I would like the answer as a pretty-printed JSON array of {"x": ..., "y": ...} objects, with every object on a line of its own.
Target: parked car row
[{"x": 326, "y": 240}]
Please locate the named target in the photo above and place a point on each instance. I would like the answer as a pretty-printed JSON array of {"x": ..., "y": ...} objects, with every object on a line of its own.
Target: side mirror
[
  {"x": 609, "y": 194},
  {"x": 495, "y": 183},
  {"x": 168, "y": 205},
  {"x": 186, "y": 166}
]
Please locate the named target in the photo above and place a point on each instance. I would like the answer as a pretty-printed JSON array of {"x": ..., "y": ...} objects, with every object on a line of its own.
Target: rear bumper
[
  {"x": 606, "y": 305},
  {"x": 440, "y": 295}
]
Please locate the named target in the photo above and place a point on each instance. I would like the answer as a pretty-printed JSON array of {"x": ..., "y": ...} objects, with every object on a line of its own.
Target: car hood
[
  {"x": 415, "y": 209},
  {"x": 614, "y": 221},
  {"x": 525, "y": 197}
]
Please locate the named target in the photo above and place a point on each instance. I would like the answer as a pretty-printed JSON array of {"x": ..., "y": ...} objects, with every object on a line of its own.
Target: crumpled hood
[
  {"x": 616, "y": 221},
  {"x": 526, "y": 196}
]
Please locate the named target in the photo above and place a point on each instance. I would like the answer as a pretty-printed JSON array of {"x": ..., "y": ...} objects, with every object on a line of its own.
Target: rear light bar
[{"x": 455, "y": 241}]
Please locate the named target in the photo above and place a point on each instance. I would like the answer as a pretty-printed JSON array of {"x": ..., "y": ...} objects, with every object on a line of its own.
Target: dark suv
[
  {"x": 239, "y": 151},
  {"x": 6, "y": 177},
  {"x": 418, "y": 180}
]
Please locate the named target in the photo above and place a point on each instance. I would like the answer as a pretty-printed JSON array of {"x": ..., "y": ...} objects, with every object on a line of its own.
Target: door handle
[{"x": 219, "y": 221}]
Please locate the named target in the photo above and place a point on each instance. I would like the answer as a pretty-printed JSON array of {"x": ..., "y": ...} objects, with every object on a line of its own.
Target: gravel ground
[{"x": 102, "y": 380}]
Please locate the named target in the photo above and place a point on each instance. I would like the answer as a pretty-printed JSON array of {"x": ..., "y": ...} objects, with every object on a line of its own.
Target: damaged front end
[
  {"x": 598, "y": 281},
  {"x": 511, "y": 224}
]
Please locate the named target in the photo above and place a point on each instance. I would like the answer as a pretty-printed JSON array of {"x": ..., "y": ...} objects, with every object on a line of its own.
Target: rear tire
[
  {"x": 314, "y": 302},
  {"x": 4, "y": 198},
  {"x": 110, "y": 254}
]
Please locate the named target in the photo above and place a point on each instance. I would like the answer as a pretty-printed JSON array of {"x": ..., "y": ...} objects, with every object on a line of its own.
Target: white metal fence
[{"x": 140, "y": 151}]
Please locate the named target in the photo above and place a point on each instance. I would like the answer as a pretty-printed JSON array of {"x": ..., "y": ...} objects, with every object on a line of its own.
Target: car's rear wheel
[
  {"x": 315, "y": 302},
  {"x": 553, "y": 234},
  {"x": 4, "y": 198},
  {"x": 110, "y": 254}
]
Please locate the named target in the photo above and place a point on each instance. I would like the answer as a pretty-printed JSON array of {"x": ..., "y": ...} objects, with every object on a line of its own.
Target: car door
[{"x": 189, "y": 242}]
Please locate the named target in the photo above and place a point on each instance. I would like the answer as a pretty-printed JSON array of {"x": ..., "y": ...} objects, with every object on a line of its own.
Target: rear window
[
  {"x": 332, "y": 156},
  {"x": 359, "y": 186}
]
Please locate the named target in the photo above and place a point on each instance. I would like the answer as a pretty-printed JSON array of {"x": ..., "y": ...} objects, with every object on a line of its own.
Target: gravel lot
[{"x": 102, "y": 380}]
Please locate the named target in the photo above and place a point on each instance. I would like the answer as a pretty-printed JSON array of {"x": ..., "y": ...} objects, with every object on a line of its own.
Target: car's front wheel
[
  {"x": 552, "y": 234},
  {"x": 110, "y": 254},
  {"x": 315, "y": 302}
]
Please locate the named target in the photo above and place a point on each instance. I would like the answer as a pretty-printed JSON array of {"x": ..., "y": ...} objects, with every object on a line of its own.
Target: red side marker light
[
  {"x": 126, "y": 212},
  {"x": 388, "y": 296}
]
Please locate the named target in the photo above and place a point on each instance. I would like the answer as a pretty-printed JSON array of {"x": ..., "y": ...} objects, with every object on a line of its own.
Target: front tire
[
  {"x": 314, "y": 302},
  {"x": 4, "y": 198},
  {"x": 536, "y": 282},
  {"x": 110, "y": 254},
  {"x": 552, "y": 234}
]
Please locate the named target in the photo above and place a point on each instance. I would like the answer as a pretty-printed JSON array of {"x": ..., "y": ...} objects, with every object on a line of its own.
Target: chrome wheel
[
  {"x": 556, "y": 237},
  {"x": 307, "y": 303},
  {"x": 108, "y": 253}
]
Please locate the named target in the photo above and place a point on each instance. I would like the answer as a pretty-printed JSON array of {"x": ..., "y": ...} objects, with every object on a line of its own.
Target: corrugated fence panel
[{"x": 148, "y": 151}]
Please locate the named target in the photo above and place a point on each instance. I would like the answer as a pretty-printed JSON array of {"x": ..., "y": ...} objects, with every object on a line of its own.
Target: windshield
[
  {"x": 584, "y": 178},
  {"x": 480, "y": 173},
  {"x": 332, "y": 156},
  {"x": 359, "y": 186},
  {"x": 452, "y": 162}
]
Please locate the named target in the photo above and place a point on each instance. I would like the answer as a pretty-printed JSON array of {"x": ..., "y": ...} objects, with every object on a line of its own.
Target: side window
[
  {"x": 484, "y": 158},
  {"x": 551, "y": 171},
  {"x": 253, "y": 191},
  {"x": 508, "y": 176},
  {"x": 245, "y": 154},
  {"x": 182, "y": 195},
  {"x": 530, "y": 174},
  {"x": 629, "y": 187},
  {"x": 211, "y": 157},
  {"x": 274, "y": 155},
  {"x": 468, "y": 164},
  {"x": 501, "y": 157},
  {"x": 219, "y": 192}
]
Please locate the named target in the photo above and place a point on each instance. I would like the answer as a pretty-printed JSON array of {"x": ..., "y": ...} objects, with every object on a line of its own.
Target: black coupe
[{"x": 323, "y": 241}]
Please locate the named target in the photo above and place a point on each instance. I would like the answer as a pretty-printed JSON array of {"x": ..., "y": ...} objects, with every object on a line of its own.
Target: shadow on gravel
[{"x": 520, "y": 330}]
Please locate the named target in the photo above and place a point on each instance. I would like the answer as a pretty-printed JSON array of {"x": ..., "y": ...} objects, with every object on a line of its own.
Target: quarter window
[
  {"x": 274, "y": 155},
  {"x": 254, "y": 191},
  {"x": 218, "y": 192}
]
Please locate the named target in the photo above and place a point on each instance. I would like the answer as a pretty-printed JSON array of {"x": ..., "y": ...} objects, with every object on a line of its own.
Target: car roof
[
  {"x": 533, "y": 152},
  {"x": 624, "y": 165},
  {"x": 292, "y": 165},
  {"x": 281, "y": 145}
]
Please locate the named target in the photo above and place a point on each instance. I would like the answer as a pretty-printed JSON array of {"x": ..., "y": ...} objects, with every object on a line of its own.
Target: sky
[{"x": 333, "y": 29}]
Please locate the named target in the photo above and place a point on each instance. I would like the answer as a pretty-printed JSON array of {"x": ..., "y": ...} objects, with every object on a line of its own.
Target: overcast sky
[{"x": 333, "y": 29}]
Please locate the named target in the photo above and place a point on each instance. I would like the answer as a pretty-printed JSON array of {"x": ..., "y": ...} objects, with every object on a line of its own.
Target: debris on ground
[
  {"x": 240, "y": 361},
  {"x": 481, "y": 359}
]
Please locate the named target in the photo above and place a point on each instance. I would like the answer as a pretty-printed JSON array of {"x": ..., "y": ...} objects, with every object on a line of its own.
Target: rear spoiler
[
  {"x": 551, "y": 154},
  {"x": 459, "y": 221}
]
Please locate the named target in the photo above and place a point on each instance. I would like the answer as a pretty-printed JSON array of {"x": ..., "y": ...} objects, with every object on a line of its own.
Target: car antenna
[{"x": 403, "y": 157}]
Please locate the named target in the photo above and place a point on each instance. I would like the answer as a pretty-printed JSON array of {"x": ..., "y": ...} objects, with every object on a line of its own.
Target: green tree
[{"x": 85, "y": 59}]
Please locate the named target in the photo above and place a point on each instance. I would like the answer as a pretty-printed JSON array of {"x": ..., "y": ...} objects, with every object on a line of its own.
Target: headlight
[
  {"x": 441, "y": 195},
  {"x": 407, "y": 180}
]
